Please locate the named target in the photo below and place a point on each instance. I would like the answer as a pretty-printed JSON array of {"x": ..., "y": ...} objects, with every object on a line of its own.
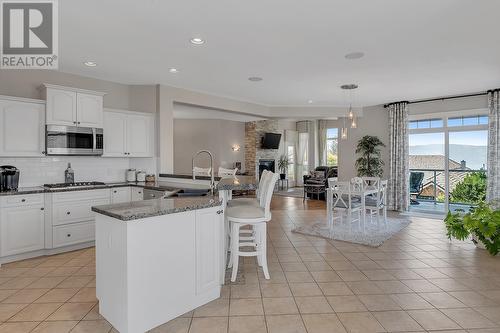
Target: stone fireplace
[
  {"x": 254, "y": 154},
  {"x": 266, "y": 165}
]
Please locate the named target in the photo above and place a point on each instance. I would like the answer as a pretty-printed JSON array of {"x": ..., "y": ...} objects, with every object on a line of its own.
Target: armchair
[{"x": 321, "y": 178}]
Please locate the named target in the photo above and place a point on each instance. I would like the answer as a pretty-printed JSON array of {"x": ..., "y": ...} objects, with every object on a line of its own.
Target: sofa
[{"x": 321, "y": 175}]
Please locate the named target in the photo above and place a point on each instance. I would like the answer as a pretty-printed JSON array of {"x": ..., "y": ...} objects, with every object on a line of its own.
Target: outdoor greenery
[
  {"x": 331, "y": 158},
  {"x": 471, "y": 190},
  {"x": 483, "y": 222},
  {"x": 370, "y": 163},
  {"x": 283, "y": 163}
]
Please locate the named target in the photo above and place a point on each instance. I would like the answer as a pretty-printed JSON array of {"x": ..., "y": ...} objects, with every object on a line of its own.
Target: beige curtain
[
  {"x": 398, "y": 192},
  {"x": 322, "y": 129},
  {"x": 493, "y": 187}
]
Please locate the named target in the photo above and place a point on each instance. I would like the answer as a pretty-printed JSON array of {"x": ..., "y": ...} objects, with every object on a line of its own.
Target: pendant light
[{"x": 350, "y": 113}]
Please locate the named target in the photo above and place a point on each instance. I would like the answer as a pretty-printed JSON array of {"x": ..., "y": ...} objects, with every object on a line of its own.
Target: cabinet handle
[
  {"x": 42, "y": 208},
  {"x": 68, "y": 213},
  {"x": 220, "y": 211},
  {"x": 68, "y": 235},
  {"x": 44, "y": 152},
  {"x": 78, "y": 123},
  {"x": 114, "y": 191},
  {"x": 23, "y": 200}
]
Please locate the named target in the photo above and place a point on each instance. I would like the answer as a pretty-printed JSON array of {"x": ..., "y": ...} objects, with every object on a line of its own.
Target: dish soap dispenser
[{"x": 69, "y": 175}]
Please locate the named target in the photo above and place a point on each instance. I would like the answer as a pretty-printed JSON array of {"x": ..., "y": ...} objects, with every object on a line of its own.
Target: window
[
  {"x": 426, "y": 123},
  {"x": 332, "y": 140},
  {"x": 468, "y": 121},
  {"x": 291, "y": 160}
]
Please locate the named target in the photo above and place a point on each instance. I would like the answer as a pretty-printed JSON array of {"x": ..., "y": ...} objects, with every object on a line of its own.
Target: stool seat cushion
[
  {"x": 245, "y": 212},
  {"x": 243, "y": 201}
]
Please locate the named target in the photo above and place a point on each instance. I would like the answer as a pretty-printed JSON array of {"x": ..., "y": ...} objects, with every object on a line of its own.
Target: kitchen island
[{"x": 157, "y": 259}]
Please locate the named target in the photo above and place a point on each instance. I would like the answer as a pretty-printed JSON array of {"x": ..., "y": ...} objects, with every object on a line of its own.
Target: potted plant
[
  {"x": 482, "y": 223},
  {"x": 370, "y": 163},
  {"x": 283, "y": 166}
]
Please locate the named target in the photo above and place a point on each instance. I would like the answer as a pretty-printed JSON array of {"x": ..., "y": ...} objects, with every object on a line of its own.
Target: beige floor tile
[
  {"x": 84, "y": 295},
  {"x": 468, "y": 318},
  {"x": 313, "y": 304},
  {"x": 305, "y": 289},
  {"x": 25, "y": 296},
  {"x": 378, "y": 275},
  {"x": 18, "y": 327},
  {"x": 433, "y": 319},
  {"x": 285, "y": 324},
  {"x": 335, "y": 288},
  {"x": 490, "y": 312},
  {"x": 75, "y": 282},
  {"x": 421, "y": 286},
  {"x": 379, "y": 302},
  {"x": 293, "y": 277},
  {"x": 411, "y": 301},
  {"x": 8, "y": 310},
  {"x": 393, "y": 287},
  {"x": 352, "y": 275},
  {"x": 71, "y": 311},
  {"x": 277, "y": 306},
  {"x": 472, "y": 298},
  {"x": 209, "y": 325},
  {"x": 442, "y": 300},
  {"x": 216, "y": 308},
  {"x": 397, "y": 321},
  {"x": 6, "y": 293},
  {"x": 364, "y": 287},
  {"x": 275, "y": 290},
  {"x": 57, "y": 295},
  {"x": 46, "y": 282},
  {"x": 245, "y": 291},
  {"x": 36, "y": 312},
  {"x": 247, "y": 324},
  {"x": 93, "y": 326},
  {"x": 55, "y": 327},
  {"x": 323, "y": 323},
  {"x": 346, "y": 304},
  {"x": 360, "y": 322},
  {"x": 18, "y": 283},
  {"x": 246, "y": 307},
  {"x": 325, "y": 276},
  {"x": 178, "y": 325}
]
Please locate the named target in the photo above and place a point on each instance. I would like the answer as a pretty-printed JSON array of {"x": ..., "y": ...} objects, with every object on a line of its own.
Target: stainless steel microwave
[{"x": 73, "y": 140}]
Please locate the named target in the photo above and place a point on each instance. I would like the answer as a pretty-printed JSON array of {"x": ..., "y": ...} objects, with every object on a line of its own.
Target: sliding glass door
[{"x": 448, "y": 162}]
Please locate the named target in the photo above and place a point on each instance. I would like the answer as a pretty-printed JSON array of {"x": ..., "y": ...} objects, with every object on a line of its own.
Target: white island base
[{"x": 154, "y": 269}]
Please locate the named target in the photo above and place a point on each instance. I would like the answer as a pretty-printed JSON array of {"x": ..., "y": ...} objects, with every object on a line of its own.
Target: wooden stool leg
[
  {"x": 263, "y": 249},
  {"x": 235, "y": 245}
]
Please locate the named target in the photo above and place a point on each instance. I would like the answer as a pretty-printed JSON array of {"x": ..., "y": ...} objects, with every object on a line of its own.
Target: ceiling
[
  {"x": 183, "y": 111},
  {"x": 413, "y": 49}
]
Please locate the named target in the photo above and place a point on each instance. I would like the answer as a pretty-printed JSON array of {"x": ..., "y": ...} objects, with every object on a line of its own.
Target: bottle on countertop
[{"x": 69, "y": 174}]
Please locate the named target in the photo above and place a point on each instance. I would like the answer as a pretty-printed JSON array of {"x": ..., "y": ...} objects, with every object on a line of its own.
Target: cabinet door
[
  {"x": 139, "y": 134},
  {"x": 137, "y": 193},
  {"x": 22, "y": 230},
  {"x": 22, "y": 127},
  {"x": 115, "y": 125},
  {"x": 208, "y": 247},
  {"x": 120, "y": 195},
  {"x": 61, "y": 107},
  {"x": 89, "y": 110}
]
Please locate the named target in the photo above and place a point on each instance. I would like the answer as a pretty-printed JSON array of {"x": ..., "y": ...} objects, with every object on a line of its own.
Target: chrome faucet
[{"x": 212, "y": 180}]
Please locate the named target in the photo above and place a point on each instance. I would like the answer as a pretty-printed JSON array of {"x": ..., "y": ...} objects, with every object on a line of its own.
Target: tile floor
[{"x": 416, "y": 282}]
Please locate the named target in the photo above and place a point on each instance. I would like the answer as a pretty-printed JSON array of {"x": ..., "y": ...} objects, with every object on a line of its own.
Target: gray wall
[{"x": 217, "y": 136}]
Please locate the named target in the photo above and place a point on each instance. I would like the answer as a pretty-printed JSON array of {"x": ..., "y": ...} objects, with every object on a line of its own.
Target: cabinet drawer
[
  {"x": 73, "y": 234},
  {"x": 22, "y": 200},
  {"x": 80, "y": 195},
  {"x": 73, "y": 212}
]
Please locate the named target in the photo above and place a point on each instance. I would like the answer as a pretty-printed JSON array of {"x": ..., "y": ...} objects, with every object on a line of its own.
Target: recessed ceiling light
[
  {"x": 349, "y": 86},
  {"x": 255, "y": 79},
  {"x": 197, "y": 41},
  {"x": 310, "y": 101},
  {"x": 173, "y": 70},
  {"x": 354, "y": 55},
  {"x": 90, "y": 63}
]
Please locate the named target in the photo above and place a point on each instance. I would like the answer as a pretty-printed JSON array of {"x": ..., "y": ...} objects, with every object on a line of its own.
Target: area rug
[
  {"x": 372, "y": 237},
  {"x": 296, "y": 192}
]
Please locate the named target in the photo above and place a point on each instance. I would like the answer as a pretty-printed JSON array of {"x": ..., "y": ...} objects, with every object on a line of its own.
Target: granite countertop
[
  {"x": 242, "y": 183},
  {"x": 135, "y": 210},
  {"x": 24, "y": 190}
]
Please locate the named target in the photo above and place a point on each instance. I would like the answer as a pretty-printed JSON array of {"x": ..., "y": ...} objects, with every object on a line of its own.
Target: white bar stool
[{"x": 256, "y": 216}]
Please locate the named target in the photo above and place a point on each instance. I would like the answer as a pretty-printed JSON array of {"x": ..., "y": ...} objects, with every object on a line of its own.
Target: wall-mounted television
[{"x": 271, "y": 141}]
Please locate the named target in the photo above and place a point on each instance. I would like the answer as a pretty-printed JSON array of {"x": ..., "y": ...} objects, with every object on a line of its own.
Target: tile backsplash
[{"x": 36, "y": 171}]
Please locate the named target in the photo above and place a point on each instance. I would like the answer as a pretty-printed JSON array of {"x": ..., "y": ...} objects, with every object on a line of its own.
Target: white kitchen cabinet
[
  {"x": 128, "y": 134},
  {"x": 22, "y": 127},
  {"x": 137, "y": 193},
  {"x": 120, "y": 194},
  {"x": 22, "y": 225},
  {"x": 89, "y": 110},
  {"x": 73, "y": 107},
  {"x": 208, "y": 246}
]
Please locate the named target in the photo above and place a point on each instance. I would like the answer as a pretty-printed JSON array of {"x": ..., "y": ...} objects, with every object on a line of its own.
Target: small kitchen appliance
[
  {"x": 9, "y": 178},
  {"x": 131, "y": 175},
  {"x": 141, "y": 176}
]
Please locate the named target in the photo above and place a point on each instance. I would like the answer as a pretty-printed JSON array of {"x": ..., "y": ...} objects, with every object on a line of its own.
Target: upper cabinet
[
  {"x": 73, "y": 107},
  {"x": 128, "y": 134},
  {"x": 22, "y": 127}
]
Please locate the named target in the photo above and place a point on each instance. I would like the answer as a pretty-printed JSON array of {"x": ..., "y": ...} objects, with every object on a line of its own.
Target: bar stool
[{"x": 257, "y": 217}]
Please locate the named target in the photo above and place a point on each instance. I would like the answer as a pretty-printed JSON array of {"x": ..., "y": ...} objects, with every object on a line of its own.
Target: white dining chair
[
  {"x": 378, "y": 203},
  {"x": 257, "y": 217},
  {"x": 344, "y": 202},
  {"x": 224, "y": 172},
  {"x": 371, "y": 182},
  {"x": 197, "y": 171}
]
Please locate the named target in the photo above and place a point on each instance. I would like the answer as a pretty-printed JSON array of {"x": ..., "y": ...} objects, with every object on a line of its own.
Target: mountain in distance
[{"x": 474, "y": 156}]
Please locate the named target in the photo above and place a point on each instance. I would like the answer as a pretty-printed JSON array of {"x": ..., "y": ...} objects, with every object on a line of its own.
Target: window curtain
[
  {"x": 322, "y": 129},
  {"x": 302, "y": 162},
  {"x": 398, "y": 192},
  {"x": 291, "y": 140},
  {"x": 493, "y": 187}
]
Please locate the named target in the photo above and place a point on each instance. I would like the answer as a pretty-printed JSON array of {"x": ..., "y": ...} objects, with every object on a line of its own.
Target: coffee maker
[{"x": 9, "y": 178}]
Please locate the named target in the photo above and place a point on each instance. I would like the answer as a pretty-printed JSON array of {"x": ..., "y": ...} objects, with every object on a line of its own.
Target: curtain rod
[{"x": 443, "y": 98}]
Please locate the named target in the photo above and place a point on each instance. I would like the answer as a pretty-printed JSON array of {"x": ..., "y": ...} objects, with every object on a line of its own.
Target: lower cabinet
[
  {"x": 120, "y": 194},
  {"x": 73, "y": 233},
  {"x": 22, "y": 228},
  {"x": 136, "y": 193}
]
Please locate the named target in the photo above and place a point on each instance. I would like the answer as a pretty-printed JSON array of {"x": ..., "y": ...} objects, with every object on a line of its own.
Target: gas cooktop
[{"x": 77, "y": 184}]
